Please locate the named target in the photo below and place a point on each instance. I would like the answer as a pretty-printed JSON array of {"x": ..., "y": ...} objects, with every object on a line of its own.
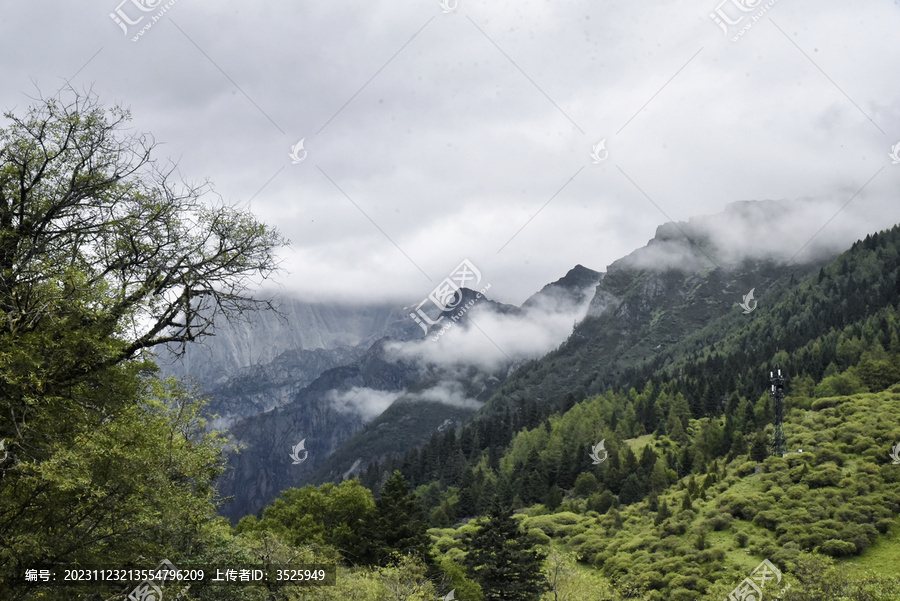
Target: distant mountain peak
[
  {"x": 575, "y": 287},
  {"x": 579, "y": 276}
]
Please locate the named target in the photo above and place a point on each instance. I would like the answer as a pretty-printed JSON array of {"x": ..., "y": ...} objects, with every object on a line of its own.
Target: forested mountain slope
[
  {"x": 808, "y": 324},
  {"x": 684, "y": 498}
]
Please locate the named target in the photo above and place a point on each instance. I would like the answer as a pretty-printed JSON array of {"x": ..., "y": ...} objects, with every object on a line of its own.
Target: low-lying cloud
[
  {"x": 490, "y": 339},
  {"x": 797, "y": 231},
  {"x": 368, "y": 402},
  {"x": 450, "y": 393}
]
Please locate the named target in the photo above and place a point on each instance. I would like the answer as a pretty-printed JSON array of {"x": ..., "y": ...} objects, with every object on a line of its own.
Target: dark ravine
[{"x": 263, "y": 468}]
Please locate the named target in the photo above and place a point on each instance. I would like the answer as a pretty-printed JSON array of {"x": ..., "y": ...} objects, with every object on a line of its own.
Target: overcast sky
[{"x": 431, "y": 137}]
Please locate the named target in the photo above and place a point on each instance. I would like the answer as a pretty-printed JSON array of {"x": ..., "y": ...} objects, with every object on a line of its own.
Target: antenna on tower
[{"x": 776, "y": 381}]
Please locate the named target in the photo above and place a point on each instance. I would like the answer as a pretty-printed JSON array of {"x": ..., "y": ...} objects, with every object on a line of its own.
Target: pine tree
[
  {"x": 554, "y": 497},
  {"x": 759, "y": 451},
  {"x": 663, "y": 514},
  {"x": 467, "y": 504},
  {"x": 738, "y": 447},
  {"x": 500, "y": 558},
  {"x": 676, "y": 431},
  {"x": 632, "y": 490},
  {"x": 397, "y": 525}
]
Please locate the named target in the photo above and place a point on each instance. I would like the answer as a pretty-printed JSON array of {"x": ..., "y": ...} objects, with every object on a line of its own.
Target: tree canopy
[{"x": 103, "y": 257}]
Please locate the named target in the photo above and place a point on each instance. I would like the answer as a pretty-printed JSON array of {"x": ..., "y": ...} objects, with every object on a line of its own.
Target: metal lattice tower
[{"x": 776, "y": 380}]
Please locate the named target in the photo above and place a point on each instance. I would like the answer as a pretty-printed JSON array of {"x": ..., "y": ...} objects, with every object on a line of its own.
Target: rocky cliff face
[
  {"x": 301, "y": 326},
  {"x": 260, "y": 388}
]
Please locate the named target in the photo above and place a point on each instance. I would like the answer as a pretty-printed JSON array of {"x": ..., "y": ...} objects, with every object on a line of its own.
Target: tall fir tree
[
  {"x": 760, "y": 450},
  {"x": 500, "y": 558},
  {"x": 397, "y": 527}
]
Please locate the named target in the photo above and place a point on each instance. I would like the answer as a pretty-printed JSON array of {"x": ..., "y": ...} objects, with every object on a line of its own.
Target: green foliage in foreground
[{"x": 103, "y": 256}]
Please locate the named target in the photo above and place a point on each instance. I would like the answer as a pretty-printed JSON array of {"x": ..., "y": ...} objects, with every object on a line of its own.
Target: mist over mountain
[
  {"x": 324, "y": 414},
  {"x": 396, "y": 394},
  {"x": 777, "y": 230},
  {"x": 483, "y": 332},
  {"x": 416, "y": 384}
]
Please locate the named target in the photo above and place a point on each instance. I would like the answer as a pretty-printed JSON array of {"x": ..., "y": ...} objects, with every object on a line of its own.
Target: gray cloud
[
  {"x": 795, "y": 231},
  {"x": 451, "y": 148}
]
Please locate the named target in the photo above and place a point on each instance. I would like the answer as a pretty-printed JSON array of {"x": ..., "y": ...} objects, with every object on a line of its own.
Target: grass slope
[{"x": 838, "y": 499}]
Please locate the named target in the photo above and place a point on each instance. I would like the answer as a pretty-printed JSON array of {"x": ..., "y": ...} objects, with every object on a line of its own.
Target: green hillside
[
  {"x": 828, "y": 517},
  {"x": 839, "y": 498},
  {"x": 687, "y": 500}
]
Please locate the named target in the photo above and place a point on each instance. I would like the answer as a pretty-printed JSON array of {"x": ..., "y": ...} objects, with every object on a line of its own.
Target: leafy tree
[
  {"x": 840, "y": 384},
  {"x": 586, "y": 484},
  {"x": 99, "y": 501},
  {"x": 331, "y": 515},
  {"x": 601, "y": 502},
  {"x": 104, "y": 257},
  {"x": 407, "y": 580},
  {"x": 500, "y": 558}
]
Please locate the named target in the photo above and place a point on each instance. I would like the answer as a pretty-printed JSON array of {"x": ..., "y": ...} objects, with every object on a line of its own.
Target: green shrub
[
  {"x": 746, "y": 468},
  {"x": 837, "y": 548},
  {"x": 824, "y": 475},
  {"x": 556, "y": 524},
  {"x": 769, "y": 519},
  {"x": 720, "y": 521},
  {"x": 590, "y": 544},
  {"x": 536, "y": 536}
]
